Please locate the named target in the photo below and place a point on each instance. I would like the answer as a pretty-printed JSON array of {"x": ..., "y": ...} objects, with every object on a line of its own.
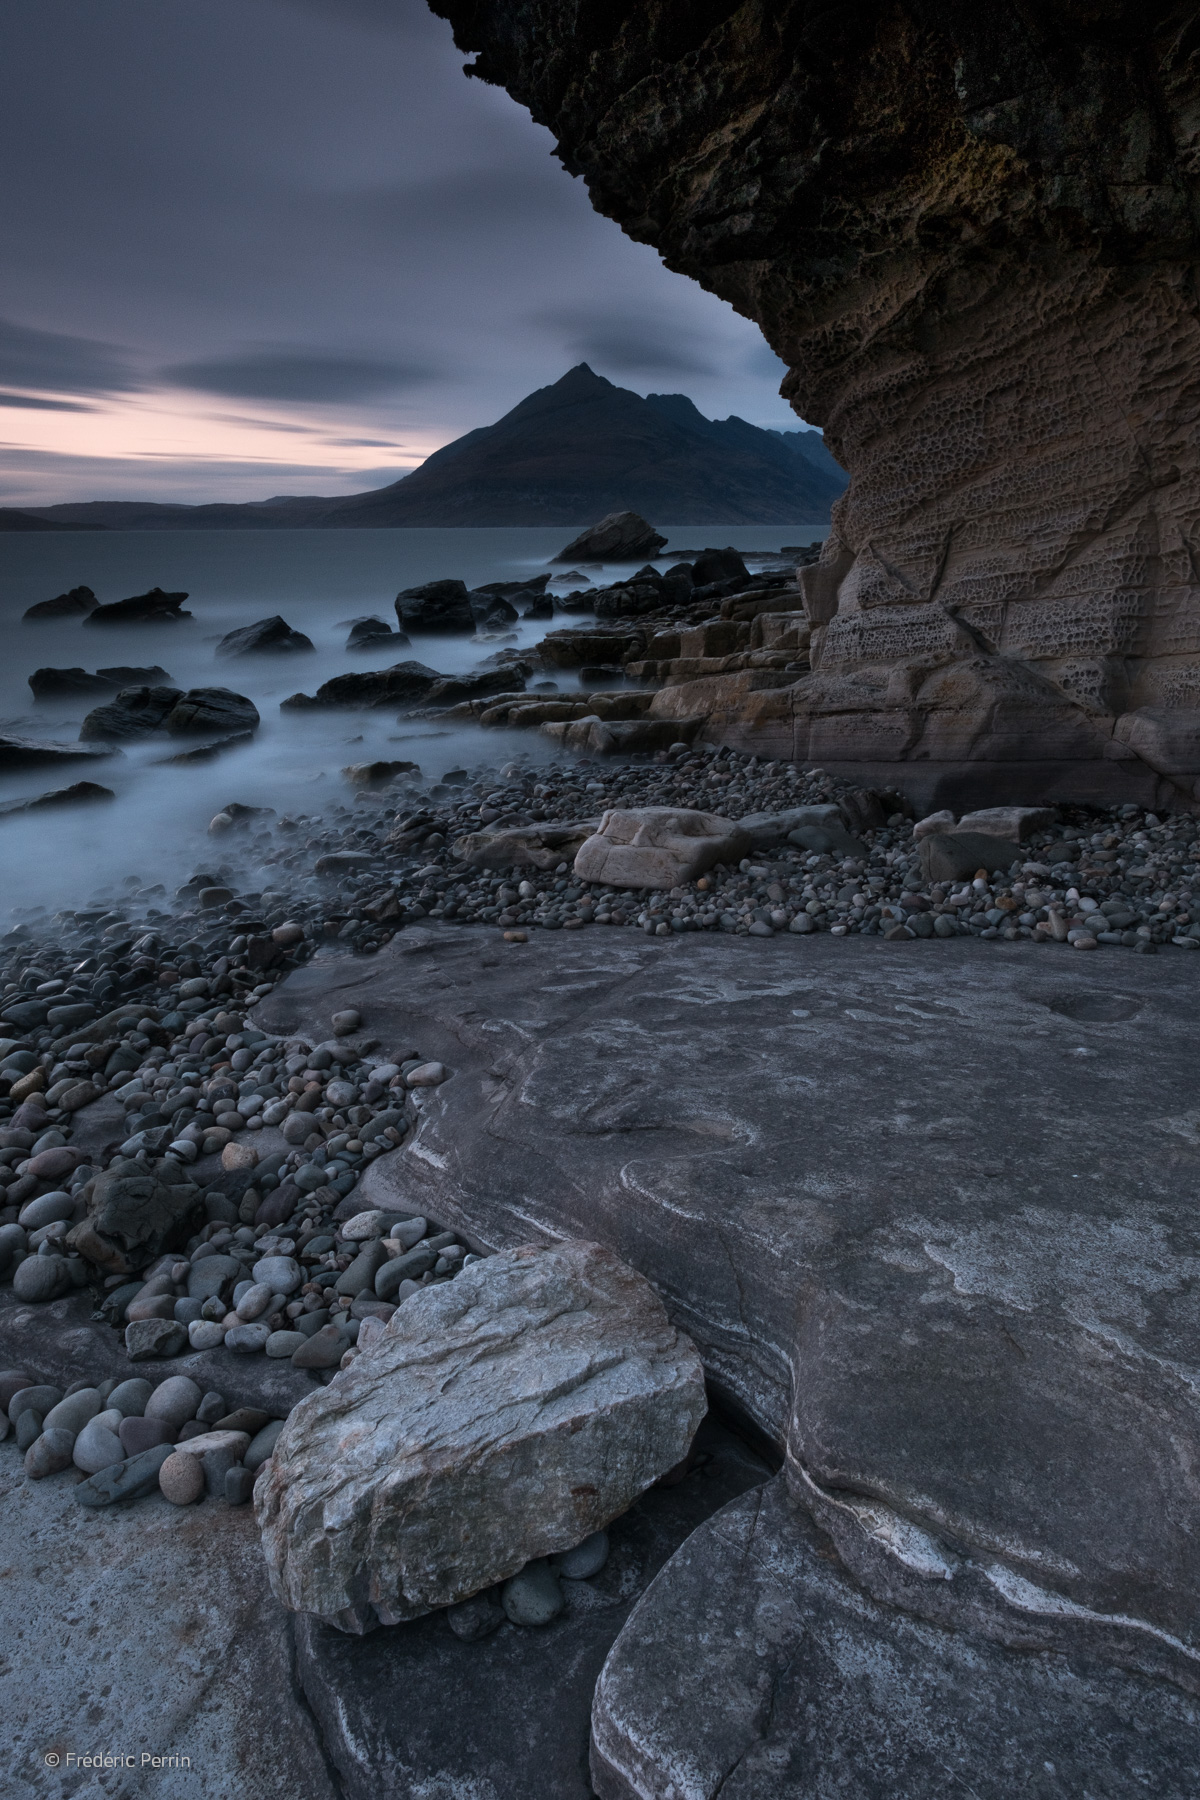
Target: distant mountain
[
  {"x": 13, "y": 520},
  {"x": 565, "y": 455}
]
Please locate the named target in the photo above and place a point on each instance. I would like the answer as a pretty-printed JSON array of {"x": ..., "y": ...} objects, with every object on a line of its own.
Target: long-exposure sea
[{"x": 318, "y": 581}]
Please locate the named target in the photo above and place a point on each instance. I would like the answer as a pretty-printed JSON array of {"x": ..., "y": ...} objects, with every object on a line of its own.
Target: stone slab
[
  {"x": 411, "y": 1712},
  {"x": 755, "y": 1669},
  {"x": 145, "y": 1630},
  {"x": 60, "y": 1342},
  {"x": 941, "y": 1191}
]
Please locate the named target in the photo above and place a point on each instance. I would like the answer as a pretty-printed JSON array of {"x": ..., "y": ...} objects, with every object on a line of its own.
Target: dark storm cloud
[
  {"x": 297, "y": 375},
  {"x": 33, "y": 403},
  {"x": 627, "y": 343},
  {"x": 61, "y": 363}
]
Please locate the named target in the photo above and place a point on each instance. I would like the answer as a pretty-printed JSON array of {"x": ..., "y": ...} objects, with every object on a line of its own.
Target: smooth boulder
[
  {"x": 658, "y": 847},
  {"x": 499, "y": 1418}
]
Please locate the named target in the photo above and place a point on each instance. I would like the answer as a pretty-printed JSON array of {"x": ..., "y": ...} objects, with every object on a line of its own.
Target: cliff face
[{"x": 973, "y": 234}]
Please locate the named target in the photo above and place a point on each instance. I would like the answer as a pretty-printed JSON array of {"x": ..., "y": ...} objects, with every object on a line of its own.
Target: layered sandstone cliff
[{"x": 973, "y": 233}]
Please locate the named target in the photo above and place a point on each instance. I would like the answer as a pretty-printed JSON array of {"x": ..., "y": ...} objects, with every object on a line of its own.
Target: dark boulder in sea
[
  {"x": 271, "y": 636},
  {"x": 75, "y": 603},
  {"x": 152, "y": 608},
  {"x": 435, "y": 606},
  {"x": 617, "y": 538}
]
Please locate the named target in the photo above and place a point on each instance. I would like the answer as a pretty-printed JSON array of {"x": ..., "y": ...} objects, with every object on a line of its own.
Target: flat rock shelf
[{"x": 928, "y": 1219}]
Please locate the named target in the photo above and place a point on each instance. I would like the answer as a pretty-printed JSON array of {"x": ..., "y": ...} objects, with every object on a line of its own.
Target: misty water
[{"x": 319, "y": 581}]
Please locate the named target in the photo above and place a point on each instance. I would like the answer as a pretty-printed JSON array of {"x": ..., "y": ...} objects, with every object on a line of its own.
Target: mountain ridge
[{"x": 564, "y": 455}]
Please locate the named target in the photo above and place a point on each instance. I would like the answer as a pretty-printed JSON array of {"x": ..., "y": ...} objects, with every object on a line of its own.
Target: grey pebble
[
  {"x": 49, "y": 1454},
  {"x": 585, "y": 1559},
  {"x": 533, "y": 1597}
]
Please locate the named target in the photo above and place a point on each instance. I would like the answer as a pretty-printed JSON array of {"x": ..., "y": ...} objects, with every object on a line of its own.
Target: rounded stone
[
  {"x": 585, "y": 1559},
  {"x": 205, "y": 1334},
  {"x": 96, "y": 1448},
  {"x": 280, "y": 1274},
  {"x": 41, "y": 1278},
  {"x": 49, "y": 1454},
  {"x": 29, "y": 1428},
  {"x": 429, "y": 1074},
  {"x": 130, "y": 1397},
  {"x": 212, "y": 1273},
  {"x": 181, "y": 1478},
  {"x": 238, "y": 1156},
  {"x": 256, "y": 1299},
  {"x": 533, "y": 1597},
  {"x": 346, "y": 1022},
  {"x": 136, "y": 1434},
  {"x": 247, "y": 1340},
  {"x": 285, "y": 1343},
  {"x": 262, "y": 1445},
  {"x": 38, "y": 1396},
  {"x": 54, "y": 1164},
  {"x": 323, "y": 1350},
  {"x": 174, "y": 1400},
  {"x": 47, "y": 1209},
  {"x": 12, "y": 1382},
  {"x": 76, "y": 1411}
]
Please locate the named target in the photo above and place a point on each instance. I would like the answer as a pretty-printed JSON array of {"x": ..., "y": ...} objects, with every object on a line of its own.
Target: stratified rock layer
[
  {"x": 925, "y": 1213},
  {"x": 971, "y": 233},
  {"x": 499, "y": 1418}
]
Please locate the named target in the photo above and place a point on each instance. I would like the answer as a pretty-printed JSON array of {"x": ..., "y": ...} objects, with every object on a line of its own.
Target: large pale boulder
[
  {"x": 658, "y": 847},
  {"x": 499, "y": 1417},
  {"x": 545, "y": 846}
]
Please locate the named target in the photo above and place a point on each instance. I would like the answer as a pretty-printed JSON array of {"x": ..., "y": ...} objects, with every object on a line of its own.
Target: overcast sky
[{"x": 284, "y": 246}]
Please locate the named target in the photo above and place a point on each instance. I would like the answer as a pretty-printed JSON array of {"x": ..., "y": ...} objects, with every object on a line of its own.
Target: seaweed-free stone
[
  {"x": 379, "y": 1502},
  {"x": 49, "y": 1454},
  {"x": 174, "y": 1400}
]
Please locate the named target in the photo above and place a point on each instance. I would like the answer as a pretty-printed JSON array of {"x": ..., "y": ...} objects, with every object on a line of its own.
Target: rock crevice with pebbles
[{"x": 489, "y": 1424}]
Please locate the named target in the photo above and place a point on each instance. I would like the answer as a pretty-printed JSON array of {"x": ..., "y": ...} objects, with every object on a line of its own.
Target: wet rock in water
[
  {"x": 365, "y": 632},
  {"x": 619, "y": 537},
  {"x": 435, "y": 606},
  {"x": 133, "y": 1216},
  {"x": 71, "y": 605},
  {"x": 271, "y": 636},
  {"x": 658, "y": 847},
  {"x": 28, "y": 753},
  {"x": 56, "y": 683},
  {"x": 427, "y": 1471},
  {"x": 212, "y": 709},
  {"x": 136, "y": 712},
  {"x": 80, "y": 793},
  {"x": 403, "y": 684},
  {"x": 378, "y": 774},
  {"x": 152, "y": 608}
]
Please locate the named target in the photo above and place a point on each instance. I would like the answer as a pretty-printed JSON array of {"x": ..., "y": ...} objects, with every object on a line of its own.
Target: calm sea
[{"x": 318, "y": 581}]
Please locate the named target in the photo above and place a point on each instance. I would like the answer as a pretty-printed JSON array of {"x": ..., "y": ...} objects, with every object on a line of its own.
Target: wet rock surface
[
  {"x": 524, "y": 1729},
  {"x": 878, "y": 1170},
  {"x": 755, "y": 1666},
  {"x": 496, "y": 1421}
]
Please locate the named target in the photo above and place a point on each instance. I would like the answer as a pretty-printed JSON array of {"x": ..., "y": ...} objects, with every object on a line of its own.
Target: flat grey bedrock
[{"x": 930, "y": 1221}]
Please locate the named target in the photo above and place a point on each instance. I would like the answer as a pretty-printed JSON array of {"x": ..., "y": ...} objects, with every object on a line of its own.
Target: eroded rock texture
[{"x": 971, "y": 233}]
